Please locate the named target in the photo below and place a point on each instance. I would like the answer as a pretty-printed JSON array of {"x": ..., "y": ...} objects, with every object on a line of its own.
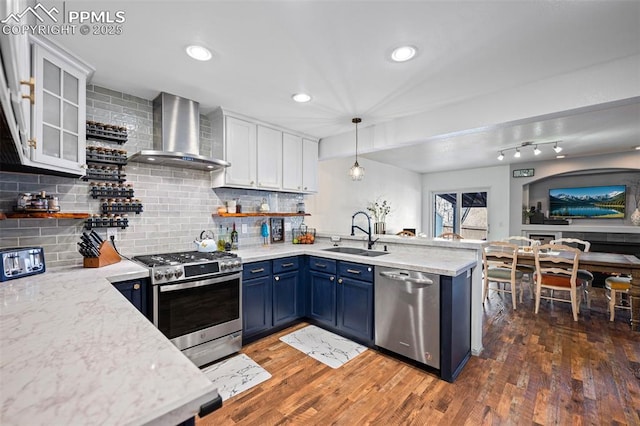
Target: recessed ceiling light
[
  {"x": 403, "y": 53},
  {"x": 199, "y": 53},
  {"x": 301, "y": 97}
]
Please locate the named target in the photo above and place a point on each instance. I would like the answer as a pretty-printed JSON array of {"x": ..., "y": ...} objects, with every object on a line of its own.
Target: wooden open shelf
[
  {"x": 45, "y": 215},
  {"x": 258, "y": 214}
]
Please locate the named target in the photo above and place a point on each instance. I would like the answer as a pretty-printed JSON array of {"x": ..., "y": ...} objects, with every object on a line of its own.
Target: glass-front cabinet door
[{"x": 59, "y": 110}]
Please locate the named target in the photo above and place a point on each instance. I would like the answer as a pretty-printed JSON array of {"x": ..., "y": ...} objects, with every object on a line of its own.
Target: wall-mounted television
[{"x": 589, "y": 202}]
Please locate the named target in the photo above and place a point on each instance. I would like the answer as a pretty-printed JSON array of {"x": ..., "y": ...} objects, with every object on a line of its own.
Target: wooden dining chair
[
  {"x": 557, "y": 271},
  {"x": 499, "y": 261},
  {"x": 524, "y": 244},
  {"x": 615, "y": 286},
  {"x": 585, "y": 278},
  {"x": 450, "y": 236}
]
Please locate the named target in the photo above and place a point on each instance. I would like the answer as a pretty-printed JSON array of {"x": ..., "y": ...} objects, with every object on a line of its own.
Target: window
[{"x": 464, "y": 213}]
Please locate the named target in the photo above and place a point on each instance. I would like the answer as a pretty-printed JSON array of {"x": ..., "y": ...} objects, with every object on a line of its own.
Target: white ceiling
[{"x": 337, "y": 51}]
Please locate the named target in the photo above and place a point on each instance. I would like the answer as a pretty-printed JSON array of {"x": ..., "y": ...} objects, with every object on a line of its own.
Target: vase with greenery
[
  {"x": 379, "y": 210},
  {"x": 527, "y": 214}
]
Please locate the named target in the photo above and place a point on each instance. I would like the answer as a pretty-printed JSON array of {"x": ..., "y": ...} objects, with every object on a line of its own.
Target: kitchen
[{"x": 166, "y": 225}]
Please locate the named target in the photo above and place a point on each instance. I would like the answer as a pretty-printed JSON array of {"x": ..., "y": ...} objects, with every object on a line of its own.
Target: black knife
[
  {"x": 86, "y": 240},
  {"x": 95, "y": 240},
  {"x": 85, "y": 250},
  {"x": 90, "y": 248},
  {"x": 97, "y": 237}
]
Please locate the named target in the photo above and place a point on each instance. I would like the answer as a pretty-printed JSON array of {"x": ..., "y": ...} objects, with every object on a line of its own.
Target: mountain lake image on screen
[{"x": 591, "y": 202}]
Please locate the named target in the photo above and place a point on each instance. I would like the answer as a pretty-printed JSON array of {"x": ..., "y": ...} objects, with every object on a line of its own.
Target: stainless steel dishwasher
[{"x": 407, "y": 314}]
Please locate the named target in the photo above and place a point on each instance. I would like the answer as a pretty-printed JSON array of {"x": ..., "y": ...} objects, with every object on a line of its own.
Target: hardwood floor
[{"x": 543, "y": 369}]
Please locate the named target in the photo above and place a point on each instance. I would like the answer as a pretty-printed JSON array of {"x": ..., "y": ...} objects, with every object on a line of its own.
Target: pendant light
[{"x": 356, "y": 172}]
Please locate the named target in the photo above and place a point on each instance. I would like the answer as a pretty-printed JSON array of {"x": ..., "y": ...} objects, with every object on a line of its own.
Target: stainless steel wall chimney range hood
[{"x": 176, "y": 130}]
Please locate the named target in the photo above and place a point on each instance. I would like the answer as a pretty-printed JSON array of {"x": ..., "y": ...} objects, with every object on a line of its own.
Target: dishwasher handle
[{"x": 398, "y": 276}]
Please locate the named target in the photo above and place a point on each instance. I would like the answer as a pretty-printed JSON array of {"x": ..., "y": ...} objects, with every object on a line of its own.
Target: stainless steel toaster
[{"x": 21, "y": 262}]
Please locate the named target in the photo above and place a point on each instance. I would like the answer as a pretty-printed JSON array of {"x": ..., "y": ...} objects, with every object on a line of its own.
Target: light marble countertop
[
  {"x": 74, "y": 351},
  {"x": 445, "y": 263}
]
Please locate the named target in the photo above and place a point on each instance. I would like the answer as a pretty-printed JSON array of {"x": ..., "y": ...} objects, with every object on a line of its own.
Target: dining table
[{"x": 613, "y": 263}]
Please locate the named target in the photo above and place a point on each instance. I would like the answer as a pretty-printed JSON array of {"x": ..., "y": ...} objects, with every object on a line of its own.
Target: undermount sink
[{"x": 356, "y": 251}]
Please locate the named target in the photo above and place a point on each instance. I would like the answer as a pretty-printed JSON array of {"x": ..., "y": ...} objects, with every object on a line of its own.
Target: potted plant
[
  {"x": 527, "y": 214},
  {"x": 379, "y": 211}
]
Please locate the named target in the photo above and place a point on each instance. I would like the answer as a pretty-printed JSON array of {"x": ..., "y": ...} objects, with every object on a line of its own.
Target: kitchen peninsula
[{"x": 75, "y": 351}]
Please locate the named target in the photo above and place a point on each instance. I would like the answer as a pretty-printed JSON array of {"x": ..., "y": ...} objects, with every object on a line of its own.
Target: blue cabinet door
[
  {"x": 355, "y": 309},
  {"x": 136, "y": 291},
  {"x": 322, "y": 298},
  {"x": 285, "y": 297},
  {"x": 256, "y": 306}
]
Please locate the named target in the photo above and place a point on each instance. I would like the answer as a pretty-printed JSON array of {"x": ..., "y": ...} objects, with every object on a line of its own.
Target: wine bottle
[{"x": 234, "y": 238}]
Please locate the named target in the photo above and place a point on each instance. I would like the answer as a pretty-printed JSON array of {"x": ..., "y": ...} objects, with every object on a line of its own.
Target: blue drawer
[
  {"x": 285, "y": 264},
  {"x": 322, "y": 265},
  {"x": 256, "y": 269},
  {"x": 356, "y": 271}
]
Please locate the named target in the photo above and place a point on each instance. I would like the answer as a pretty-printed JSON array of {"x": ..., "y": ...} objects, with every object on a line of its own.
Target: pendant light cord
[{"x": 356, "y": 121}]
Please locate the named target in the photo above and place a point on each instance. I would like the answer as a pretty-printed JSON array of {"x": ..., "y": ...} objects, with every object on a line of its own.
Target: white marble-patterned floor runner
[
  {"x": 324, "y": 346},
  {"x": 235, "y": 375}
]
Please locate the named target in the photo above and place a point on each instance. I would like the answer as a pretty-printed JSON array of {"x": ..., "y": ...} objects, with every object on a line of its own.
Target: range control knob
[
  {"x": 158, "y": 275},
  {"x": 178, "y": 272},
  {"x": 168, "y": 274},
  {"x": 237, "y": 264}
]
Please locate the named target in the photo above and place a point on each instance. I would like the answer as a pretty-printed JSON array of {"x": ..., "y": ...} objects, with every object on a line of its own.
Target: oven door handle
[{"x": 199, "y": 283}]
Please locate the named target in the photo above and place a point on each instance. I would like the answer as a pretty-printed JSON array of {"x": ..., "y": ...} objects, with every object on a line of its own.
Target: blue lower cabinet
[
  {"x": 272, "y": 296},
  {"x": 322, "y": 298},
  {"x": 136, "y": 292},
  {"x": 256, "y": 306},
  {"x": 355, "y": 309},
  {"x": 342, "y": 303},
  {"x": 285, "y": 297}
]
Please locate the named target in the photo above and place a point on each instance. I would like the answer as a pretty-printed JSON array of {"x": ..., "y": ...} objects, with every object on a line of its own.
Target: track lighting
[
  {"x": 518, "y": 149},
  {"x": 557, "y": 148}
]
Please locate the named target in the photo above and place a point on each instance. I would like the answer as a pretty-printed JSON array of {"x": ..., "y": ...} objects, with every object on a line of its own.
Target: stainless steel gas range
[{"x": 197, "y": 302}]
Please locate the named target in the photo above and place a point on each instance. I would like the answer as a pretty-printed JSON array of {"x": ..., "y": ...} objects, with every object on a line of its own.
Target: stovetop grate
[{"x": 179, "y": 258}]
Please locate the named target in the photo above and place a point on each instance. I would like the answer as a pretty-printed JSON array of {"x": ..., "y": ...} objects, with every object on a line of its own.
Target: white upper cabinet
[
  {"x": 44, "y": 95},
  {"x": 269, "y": 158},
  {"x": 240, "y": 151},
  {"x": 309, "y": 165},
  {"x": 16, "y": 89},
  {"x": 262, "y": 156},
  {"x": 58, "y": 124},
  {"x": 292, "y": 164}
]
